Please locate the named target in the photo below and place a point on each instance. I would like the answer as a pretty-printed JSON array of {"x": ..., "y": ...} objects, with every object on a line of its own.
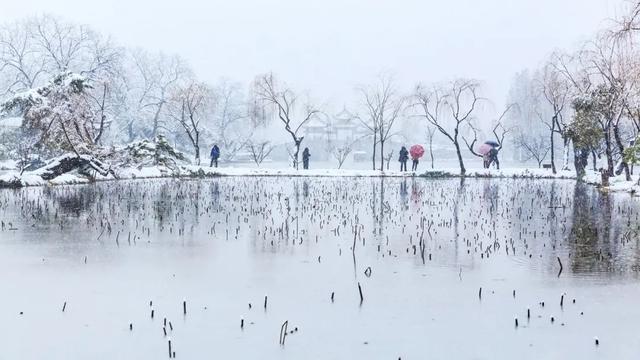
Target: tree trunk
[
  {"x": 130, "y": 131},
  {"x": 431, "y": 152},
  {"x": 295, "y": 154},
  {"x": 156, "y": 121},
  {"x": 196, "y": 147},
  {"x": 608, "y": 153},
  {"x": 553, "y": 160},
  {"x": 593, "y": 155},
  {"x": 375, "y": 137},
  {"x": 565, "y": 153},
  {"x": 580, "y": 160},
  {"x": 381, "y": 154},
  {"x": 463, "y": 171},
  {"x": 625, "y": 166}
]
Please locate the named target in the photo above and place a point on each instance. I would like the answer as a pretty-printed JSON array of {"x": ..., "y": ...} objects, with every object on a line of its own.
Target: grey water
[{"x": 115, "y": 251}]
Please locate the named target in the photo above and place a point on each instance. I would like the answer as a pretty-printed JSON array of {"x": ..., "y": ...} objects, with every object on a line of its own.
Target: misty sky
[{"x": 330, "y": 46}]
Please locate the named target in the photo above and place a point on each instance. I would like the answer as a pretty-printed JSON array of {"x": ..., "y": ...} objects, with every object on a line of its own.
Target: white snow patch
[
  {"x": 617, "y": 184},
  {"x": 11, "y": 122},
  {"x": 8, "y": 165}
]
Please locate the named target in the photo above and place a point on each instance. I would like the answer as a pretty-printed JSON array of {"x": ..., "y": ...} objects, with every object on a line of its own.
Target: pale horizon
[{"x": 332, "y": 47}]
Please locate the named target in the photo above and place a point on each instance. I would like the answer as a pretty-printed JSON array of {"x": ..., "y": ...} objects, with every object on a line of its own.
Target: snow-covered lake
[{"x": 111, "y": 253}]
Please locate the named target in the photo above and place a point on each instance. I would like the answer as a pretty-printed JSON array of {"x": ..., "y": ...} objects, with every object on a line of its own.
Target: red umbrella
[
  {"x": 484, "y": 149},
  {"x": 416, "y": 151}
]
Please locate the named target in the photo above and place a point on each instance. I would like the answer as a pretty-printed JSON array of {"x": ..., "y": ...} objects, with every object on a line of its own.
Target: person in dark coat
[
  {"x": 305, "y": 158},
  {"x": 215, "y": 155},
  {"x": 493, "y": 158},
  {"x": 404, "y": 157}
]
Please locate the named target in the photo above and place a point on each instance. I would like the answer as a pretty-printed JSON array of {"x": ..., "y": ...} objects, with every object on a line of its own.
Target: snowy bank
[
  {"x": 70, "y": 170},
  {"x": 35, "y": 178}
]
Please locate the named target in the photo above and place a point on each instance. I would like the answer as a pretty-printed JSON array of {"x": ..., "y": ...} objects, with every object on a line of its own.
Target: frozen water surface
[{"x": 110, "y": 249}]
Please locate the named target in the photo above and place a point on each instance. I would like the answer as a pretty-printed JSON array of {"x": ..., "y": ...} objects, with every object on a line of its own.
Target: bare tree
[
  {"x": 534, "y": 146},
  {"x": 341, "y": 153},
  {"x": 19, "y": 60},
  {"x": 154, "y": 77},
  {"x": 189, "y": 108},
  {"x": 387, "y": 158},
  {"x": 555, "y": 91},
  {"x": 630, "y": 22},
  {"x": 101, "y": 108},
  {"x": 449, "y": 109},
  {"x": 383, "y": 106},
  {"x": 231, "y": 132},
  {"x": 285, "y": 101},
  {"x": 37, "y": 49},
  {"x": 259, "y": 150},
  {"x": 499, "y": 132}
]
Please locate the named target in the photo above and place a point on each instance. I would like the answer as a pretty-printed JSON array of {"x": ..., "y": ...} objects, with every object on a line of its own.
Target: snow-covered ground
[
  {"x": 12, "y": 178},
  {"x": 191, "y": 171},
  {"x": 616, "y": 184}
]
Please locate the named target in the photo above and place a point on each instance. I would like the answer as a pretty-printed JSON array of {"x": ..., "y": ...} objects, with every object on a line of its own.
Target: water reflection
[{"x": 452, "y": 223}]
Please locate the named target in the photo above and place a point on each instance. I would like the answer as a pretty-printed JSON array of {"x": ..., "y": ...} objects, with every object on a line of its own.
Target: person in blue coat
[{"x": 215, "y": 155}]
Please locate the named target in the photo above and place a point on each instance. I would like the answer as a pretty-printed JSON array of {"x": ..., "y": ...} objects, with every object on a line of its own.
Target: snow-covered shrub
[
  {"x": 59, "y": 112},
  {"x": 145, "y": 153}
]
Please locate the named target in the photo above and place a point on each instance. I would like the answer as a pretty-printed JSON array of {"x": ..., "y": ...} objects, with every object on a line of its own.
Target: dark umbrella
[{"x": 492, "y": 143}]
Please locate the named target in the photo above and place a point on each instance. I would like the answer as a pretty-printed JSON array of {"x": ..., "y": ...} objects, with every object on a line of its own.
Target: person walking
[
  {"x": 215, "y": 155},
  {"x": 305, "y": 158},
  {"x": 404, "y": 157}
]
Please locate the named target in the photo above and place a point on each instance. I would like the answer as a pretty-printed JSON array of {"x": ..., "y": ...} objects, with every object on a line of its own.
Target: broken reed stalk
[
  {"x": 560, "y": 263},
  {"x": 283, "y": 332},
  {"x": 360, "y": 291},
  {"x": 355, "y": 235}
]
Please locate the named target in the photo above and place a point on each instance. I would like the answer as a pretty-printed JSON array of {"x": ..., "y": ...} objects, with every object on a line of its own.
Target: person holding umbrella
[
  {"x": 416, "y": 152},
  {"x": 489, "y": 151}
]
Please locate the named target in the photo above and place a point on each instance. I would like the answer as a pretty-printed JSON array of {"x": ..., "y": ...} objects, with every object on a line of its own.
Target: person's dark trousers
[
  {"x": 414, "y": 167},
  {"x": 305, "y": 165},
  {"x": 214, "y": 161},
  {"x": 403, "y": 166}
]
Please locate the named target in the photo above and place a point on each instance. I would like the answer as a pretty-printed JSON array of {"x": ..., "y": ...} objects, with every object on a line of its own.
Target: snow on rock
[
  {"x": 69, "y": 179},
  {"x": 8, "y": 165},
  {"x": 15, "y": 180},
  {"x": 145, "y": 153}
]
